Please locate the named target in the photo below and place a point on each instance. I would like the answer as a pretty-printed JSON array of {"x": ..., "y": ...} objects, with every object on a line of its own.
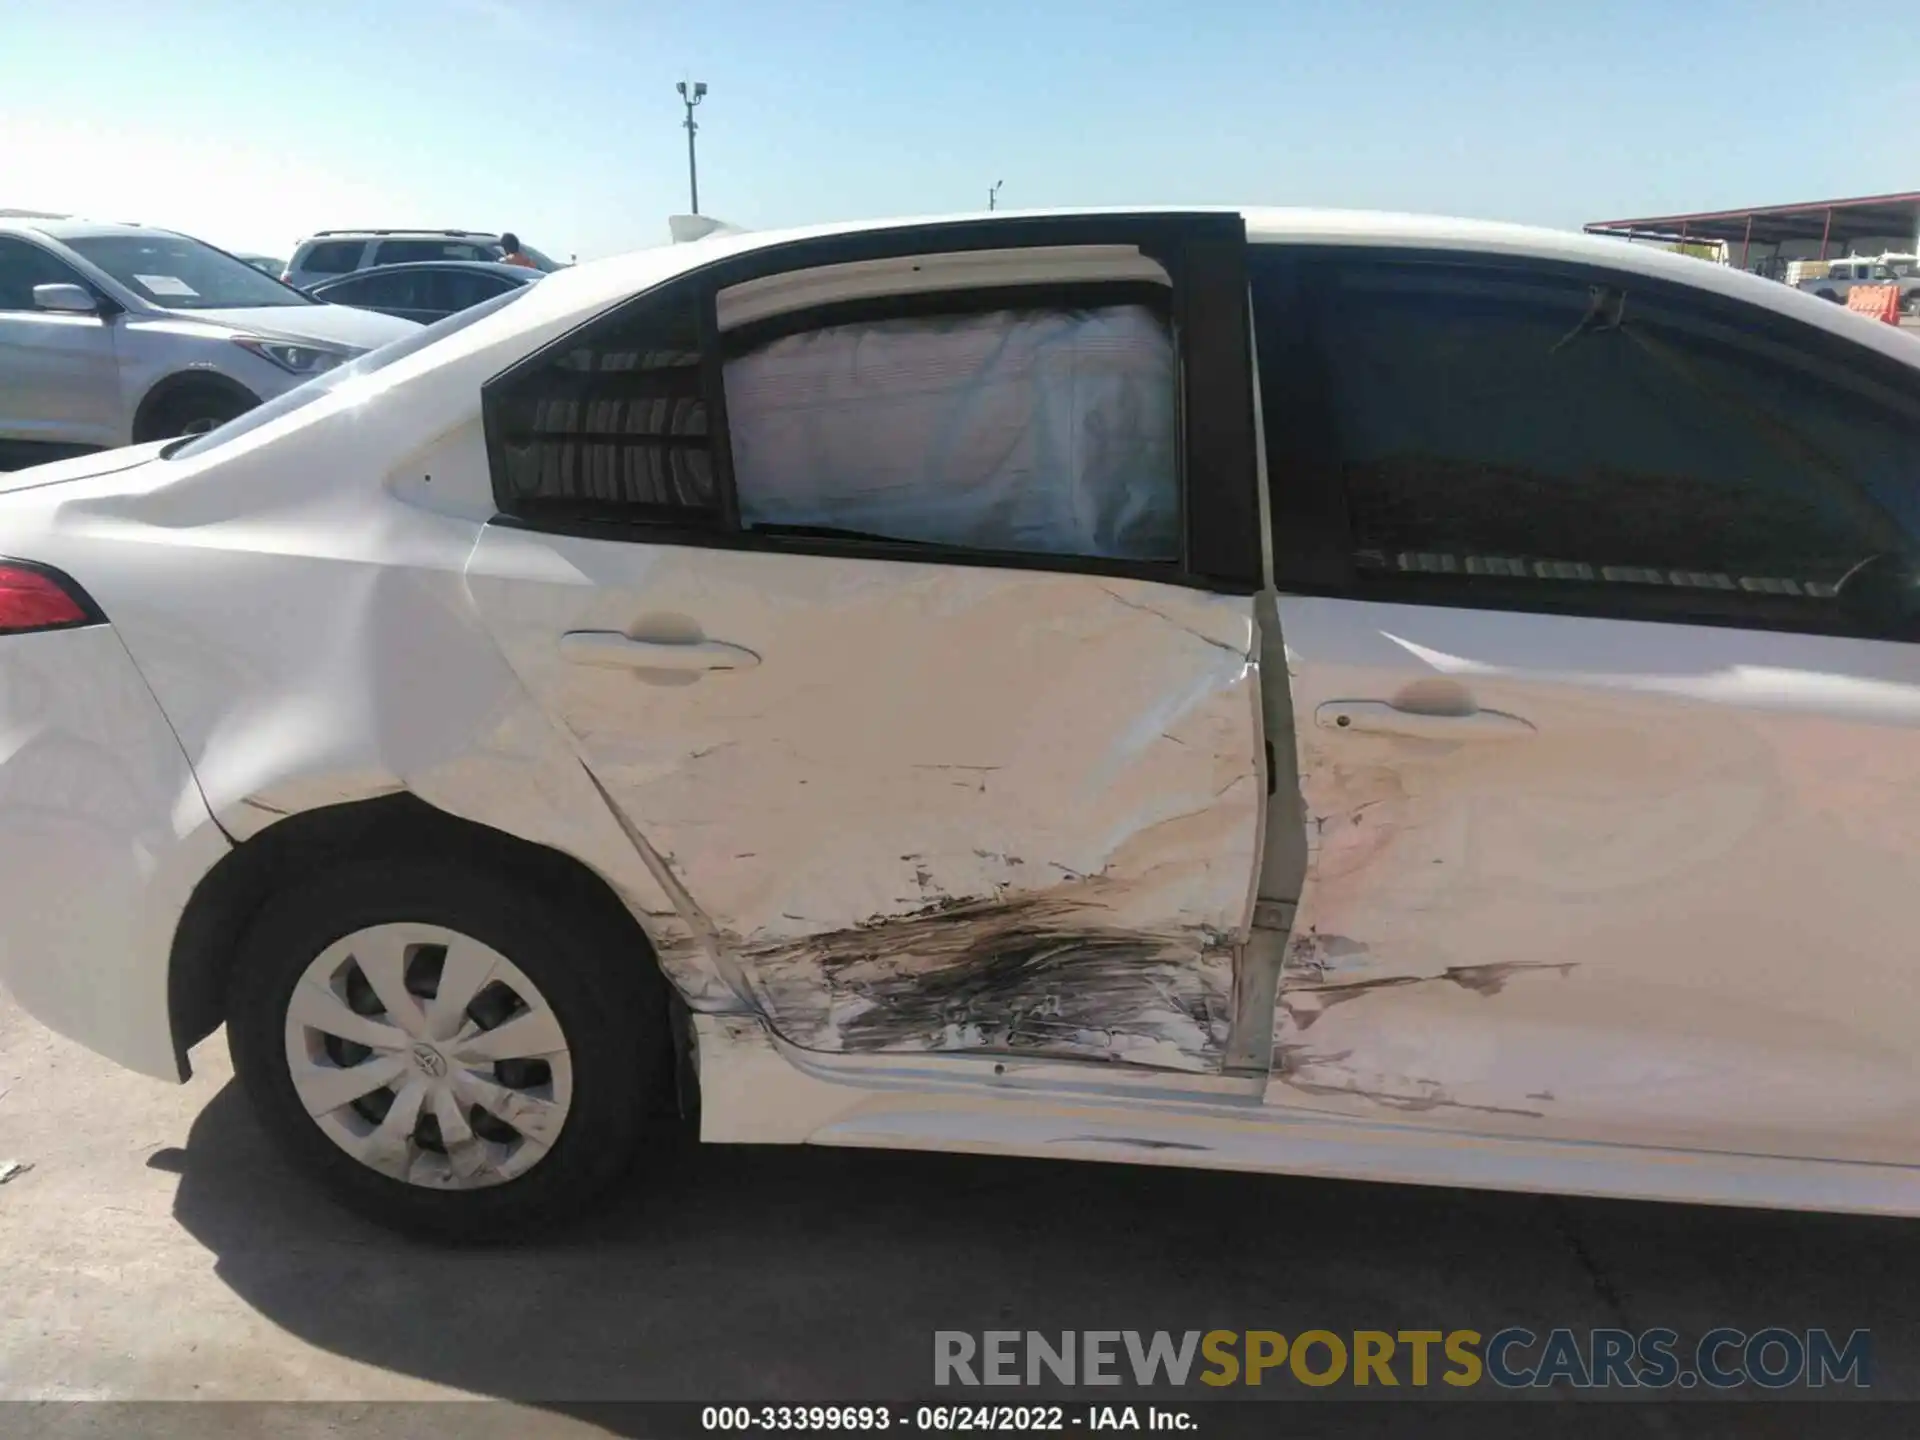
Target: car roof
[
  {"x": 599, "y": 282},
  {"x": 403, "y": 234},
  {"x": 68, "y": 228},
  {"x": 484, "y": 267}
]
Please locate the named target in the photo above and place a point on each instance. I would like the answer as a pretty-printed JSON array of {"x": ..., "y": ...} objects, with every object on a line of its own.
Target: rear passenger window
[
  {"x": 1492, "y": 434},
  {"x": 613, "y": 427},
  {"x": 1018, "y": 428},
  {"x": 1032, "y": 429},
  {"x": 332, "y": 257},
  {"x": 1080, "y": 401}
]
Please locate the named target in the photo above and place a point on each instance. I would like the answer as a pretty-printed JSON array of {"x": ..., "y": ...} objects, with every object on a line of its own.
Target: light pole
[
  {"x": 693, "y": 172},
  {"x": 993, "y": 195}
]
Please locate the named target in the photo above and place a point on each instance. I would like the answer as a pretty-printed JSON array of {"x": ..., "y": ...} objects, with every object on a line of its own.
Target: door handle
[
  {"x": 1378, "y": 717},
  {"x": 610, "y": 650}
]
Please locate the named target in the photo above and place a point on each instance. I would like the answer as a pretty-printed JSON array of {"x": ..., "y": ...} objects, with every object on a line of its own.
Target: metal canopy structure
[{"x": 1832, "y": 224}]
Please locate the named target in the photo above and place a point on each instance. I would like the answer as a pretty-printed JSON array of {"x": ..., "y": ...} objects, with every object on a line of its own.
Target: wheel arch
[
  {"x": 183, "y": 382},
  {"x": 229, "y": 897}
]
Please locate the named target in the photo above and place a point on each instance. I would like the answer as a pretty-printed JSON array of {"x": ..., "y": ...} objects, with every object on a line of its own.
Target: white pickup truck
[{"x": 1833, "y": 279}]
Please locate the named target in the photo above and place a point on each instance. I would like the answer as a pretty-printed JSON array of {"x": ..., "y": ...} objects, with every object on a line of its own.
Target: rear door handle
[
  {"x": 611, "y": 650},
  {"x": 1377, "y": 717}
]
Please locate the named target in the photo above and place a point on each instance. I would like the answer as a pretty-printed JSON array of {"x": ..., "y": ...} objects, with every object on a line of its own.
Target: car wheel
[
  {"x": 190, "y": 410},
  {"x": 448, "y": 1050},
  {"x": 1828, "y": 295}
]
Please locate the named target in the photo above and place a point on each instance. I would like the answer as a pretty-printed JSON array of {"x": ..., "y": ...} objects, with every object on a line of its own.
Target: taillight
[{"x": 34, "y": 598}]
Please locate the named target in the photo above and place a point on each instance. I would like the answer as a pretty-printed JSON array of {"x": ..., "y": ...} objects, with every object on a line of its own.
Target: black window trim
[
  {"x": 1314, "y": 545},
  {"x": 1204, "y": 253}
]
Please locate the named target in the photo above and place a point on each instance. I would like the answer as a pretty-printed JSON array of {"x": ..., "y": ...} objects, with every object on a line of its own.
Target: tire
[
  {"x": 611, "y": 1084},
  {"x": 189, "y": 410},
  {"x": 1828, "y": 295}
]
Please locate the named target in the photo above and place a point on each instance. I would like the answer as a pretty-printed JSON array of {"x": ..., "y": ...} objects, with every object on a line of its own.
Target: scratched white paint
[
  {"x": 102, "y": 838},
  {"x": 1678, "y": 913},
  {"x": 299, "y": 601},
  {"x": 754, "y": 1090},
  {"x": 914, "y": 736}
]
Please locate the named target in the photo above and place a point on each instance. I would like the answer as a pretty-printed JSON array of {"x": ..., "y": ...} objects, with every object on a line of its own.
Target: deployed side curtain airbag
[{"x": 1048, "y": 431}]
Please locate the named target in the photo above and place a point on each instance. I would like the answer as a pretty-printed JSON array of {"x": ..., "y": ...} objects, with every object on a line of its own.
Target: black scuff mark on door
[
  {"x": 1484, "y": 980},
  {"x": 1492, "y": 979},
  {"x": 1303, "y": 1004},
  {"x": 1028, "y": 973},
  {"x": 1136, "y": 1141},
  {"x": 1328, "y": 996}
]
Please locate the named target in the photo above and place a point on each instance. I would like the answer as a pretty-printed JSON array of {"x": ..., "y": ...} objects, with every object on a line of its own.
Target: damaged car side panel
[
  {"x": 277, "y": 718},
  {"x": 1669, "y": 913},
  {"x": 947, "y": 808}
]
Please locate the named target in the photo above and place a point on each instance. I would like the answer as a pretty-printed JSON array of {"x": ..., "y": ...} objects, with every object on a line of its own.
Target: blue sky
[{"x": 252, "y": 122}]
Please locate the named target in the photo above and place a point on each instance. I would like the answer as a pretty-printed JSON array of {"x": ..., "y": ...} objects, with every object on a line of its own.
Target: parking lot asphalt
[{"x": 158, "y": 1250}]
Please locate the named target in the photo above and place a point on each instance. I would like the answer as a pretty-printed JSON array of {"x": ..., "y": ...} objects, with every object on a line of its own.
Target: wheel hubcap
[{"x": 428, "y": 1056}]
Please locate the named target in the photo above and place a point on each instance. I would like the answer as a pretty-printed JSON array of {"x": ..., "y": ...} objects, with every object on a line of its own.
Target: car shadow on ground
[{"x": 743, "y": 1273}]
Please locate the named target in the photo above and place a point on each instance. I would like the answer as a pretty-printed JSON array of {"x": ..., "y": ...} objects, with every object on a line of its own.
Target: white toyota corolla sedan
[{"x": 1287, "y": 691}]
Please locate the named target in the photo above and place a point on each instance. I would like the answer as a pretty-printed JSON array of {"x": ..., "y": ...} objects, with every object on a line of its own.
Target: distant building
[{"x": 1767, "y": 238}]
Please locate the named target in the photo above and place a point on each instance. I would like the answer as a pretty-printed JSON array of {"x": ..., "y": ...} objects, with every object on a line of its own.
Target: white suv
[{"x": 112, "y": 334}]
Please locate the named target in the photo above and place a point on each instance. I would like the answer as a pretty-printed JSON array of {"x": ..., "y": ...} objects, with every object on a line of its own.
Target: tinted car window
[
  {"x": 403, "y": 252},
  {"x": 183, "y": 274},
  {"x": 331, "y": 257},
  {"x": 457, "y": 289},
  {"x": 368, "y": 288},
  {"x": 1592, "y": 441},
  {"x": 24, "y": 265}
]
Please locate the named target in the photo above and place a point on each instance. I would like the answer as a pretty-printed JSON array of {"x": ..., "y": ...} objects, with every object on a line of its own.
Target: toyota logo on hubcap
[{"x": 429, "y": 1060}]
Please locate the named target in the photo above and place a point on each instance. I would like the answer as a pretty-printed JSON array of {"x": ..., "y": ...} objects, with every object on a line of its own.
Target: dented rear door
[{"x": 922, "y": 797}]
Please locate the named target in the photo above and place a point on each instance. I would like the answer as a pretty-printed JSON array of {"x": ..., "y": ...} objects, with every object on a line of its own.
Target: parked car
[
  {"x": 425, "y": 291},
  {"x": 1834, "y": 279},
  {"x": 112, "y": 334},
  {"x": 838, "y": 684},
  {"x": 265, "y": 264},
  {"x": 331, "y": 253}
]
